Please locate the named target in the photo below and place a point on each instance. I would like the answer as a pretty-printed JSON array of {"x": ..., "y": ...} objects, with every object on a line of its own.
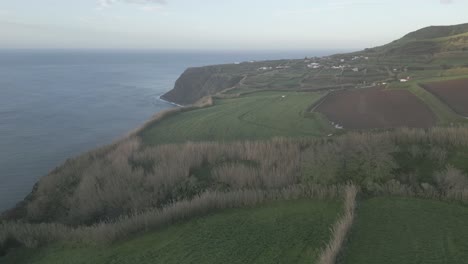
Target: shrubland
[{"x": 128, "y": 187}]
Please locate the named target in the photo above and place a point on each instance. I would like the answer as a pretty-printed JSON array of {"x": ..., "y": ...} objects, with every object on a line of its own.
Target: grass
[
  {"x": 445, "y": 115},
  {"x": 407, "y": 231},
  {"x": 459, "y": 159},
  {"x": 255, "y": 116},
  {"x": 456, "y": 60},
  {"x": 280, "y": 232}
]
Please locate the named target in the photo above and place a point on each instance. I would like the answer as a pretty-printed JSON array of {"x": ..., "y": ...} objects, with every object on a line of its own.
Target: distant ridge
[
  {"x": 437, "y": 32},
  {"x": 421, "y": 46},
  {"x": 426, "y": 43}
]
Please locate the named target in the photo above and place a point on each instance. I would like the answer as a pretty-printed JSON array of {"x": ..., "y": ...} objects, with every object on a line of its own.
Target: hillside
[
  {"x": 435, "y": 47},
  {"x": 254, "y": 116},
  {"x": 427, "y": 43},
  {"x": 269, "y": 161},
  {"x": 387, "y": 230},
  {"x": 410, "y": 231},
  {"x": 196, "y": 83},
  {"x": 283, "y": 231},
  {"x": 434, "y": 32}
]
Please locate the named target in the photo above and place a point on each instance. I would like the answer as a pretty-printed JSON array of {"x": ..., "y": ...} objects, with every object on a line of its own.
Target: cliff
[{"x": 196, "y": 83}]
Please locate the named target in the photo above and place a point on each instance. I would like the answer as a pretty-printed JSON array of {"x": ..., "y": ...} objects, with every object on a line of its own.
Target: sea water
[{"x": 57, "y": 104}]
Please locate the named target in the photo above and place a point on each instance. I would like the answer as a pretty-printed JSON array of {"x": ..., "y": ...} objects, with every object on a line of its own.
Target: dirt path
[{"x": 240, "y": 83}]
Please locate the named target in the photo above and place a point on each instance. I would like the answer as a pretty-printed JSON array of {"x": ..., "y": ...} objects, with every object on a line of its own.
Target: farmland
[
  {"x": 452, "y": 92},
  {"x": 256, "y": 116},
  {"x": 408, "y": 230},
  {"x": 250, "y": 170},
  {"x": 292, "y": 231},
  {"x": 376, "y": 108}
]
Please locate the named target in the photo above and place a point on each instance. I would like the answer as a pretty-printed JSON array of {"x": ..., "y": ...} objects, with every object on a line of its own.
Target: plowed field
[
  {"x": 454, "y": 93},
  {"x": 376, "y": 108}
]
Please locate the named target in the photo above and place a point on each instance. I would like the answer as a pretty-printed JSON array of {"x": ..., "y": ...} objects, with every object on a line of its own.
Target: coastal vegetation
[
  {"x": 278, "y": 231},
  {"x": 127, "y": 188},
  {"x": 340, "y": 159}
]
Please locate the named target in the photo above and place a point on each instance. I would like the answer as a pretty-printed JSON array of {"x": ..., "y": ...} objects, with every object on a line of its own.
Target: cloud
[
  {"x": 108, "y": 3},
  {"x": 151, "y": 8},
  {"x": 446, "y": 2},
  {"x": 329, "y": 6}
]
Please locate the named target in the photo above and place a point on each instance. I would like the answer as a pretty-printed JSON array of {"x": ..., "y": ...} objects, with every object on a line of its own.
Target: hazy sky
[{"x": 218, "y": 24}]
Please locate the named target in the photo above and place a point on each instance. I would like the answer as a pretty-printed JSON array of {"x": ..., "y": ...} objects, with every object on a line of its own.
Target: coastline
[{"x": 169, "y": 102}]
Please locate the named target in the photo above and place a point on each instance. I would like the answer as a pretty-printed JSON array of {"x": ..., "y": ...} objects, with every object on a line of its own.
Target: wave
[{"x": 169, "y": 102}]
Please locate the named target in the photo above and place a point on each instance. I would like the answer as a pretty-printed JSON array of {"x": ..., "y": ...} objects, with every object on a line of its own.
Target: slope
[
  {"x": 256, "y": 116},
  {"x": 408, "y": 230},
  {"x": 285, "y": 232}
]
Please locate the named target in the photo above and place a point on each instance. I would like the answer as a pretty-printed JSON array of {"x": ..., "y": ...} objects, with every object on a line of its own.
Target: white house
[{"x": 313, "y": 65}]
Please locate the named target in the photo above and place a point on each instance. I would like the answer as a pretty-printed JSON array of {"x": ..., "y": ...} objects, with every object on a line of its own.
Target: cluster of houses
[
  {"x": 268, "y": 68},
  {"x": 264, "y": 68},
  {"x": 337, "y": 126},
  {"x": 405, "y": 80},
  {"x": 237, "y": 63},
  {"x": 379, "y": 83},
  {"x": 339, "y": 67},
  {"x": 314, "y": 65},
  {"x": 359, "y": 57}
]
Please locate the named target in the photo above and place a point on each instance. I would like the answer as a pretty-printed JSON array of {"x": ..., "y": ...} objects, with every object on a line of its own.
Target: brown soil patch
[
  {"x": 376, "y": 108},
  {"x": 454, "y": 93}
]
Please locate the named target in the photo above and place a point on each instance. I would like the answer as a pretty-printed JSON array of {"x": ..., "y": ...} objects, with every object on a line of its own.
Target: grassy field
[
  {"x": 408, "y": 230},
  {"x": 459, "y": 159},
  {"x": 281, "y": 232},
  {"x": 255, "y": 116}
]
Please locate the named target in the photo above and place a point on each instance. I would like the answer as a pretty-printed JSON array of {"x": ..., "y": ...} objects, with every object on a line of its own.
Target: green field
[
  {"x": 281, "y": 232},
  {"x": 262, "y": 100},
  {"x": 255, "y": 116},
  {"x": 408, "y": 230}
]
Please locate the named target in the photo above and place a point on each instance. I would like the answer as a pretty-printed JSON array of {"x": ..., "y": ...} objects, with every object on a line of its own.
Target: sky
[{"x": 218, "y": 24}]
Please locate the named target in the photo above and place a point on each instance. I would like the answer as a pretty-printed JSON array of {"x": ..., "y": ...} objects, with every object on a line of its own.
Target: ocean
[{"x": 56, "y": 104}]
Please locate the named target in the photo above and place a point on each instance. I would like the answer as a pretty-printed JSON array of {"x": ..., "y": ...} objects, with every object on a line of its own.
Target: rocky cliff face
[{"x": 196, "y": 83}]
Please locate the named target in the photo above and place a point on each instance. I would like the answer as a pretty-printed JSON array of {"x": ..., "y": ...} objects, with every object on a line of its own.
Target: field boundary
[
  {"x": 445, "y": 115},
  {"x": 160, "y": 116},
  {"x": 341, "y": 228},
  {"x": 33, "y": 235},
  {"x": 442, "y": 100},
  {"x": 317, "y": 104},
  {"x": 374, "y": 108}
]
